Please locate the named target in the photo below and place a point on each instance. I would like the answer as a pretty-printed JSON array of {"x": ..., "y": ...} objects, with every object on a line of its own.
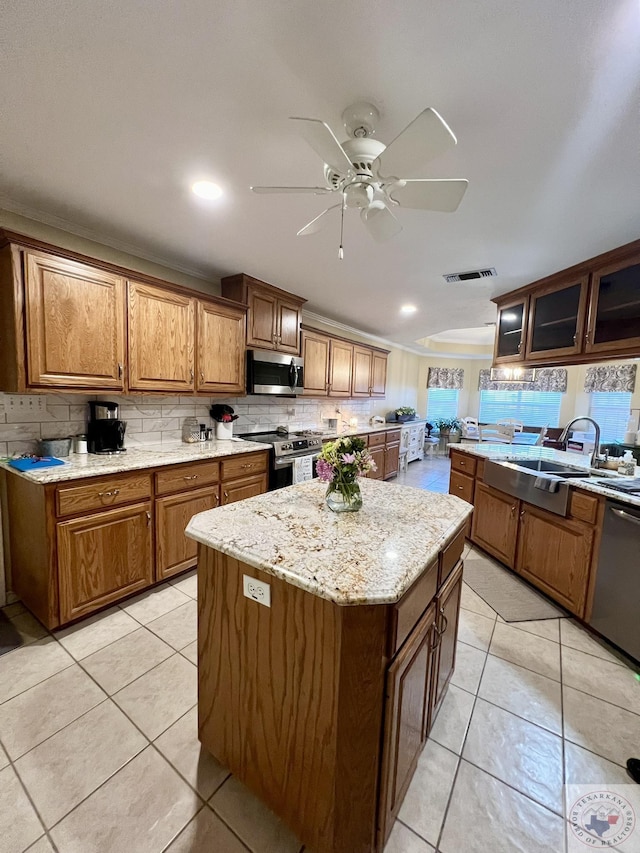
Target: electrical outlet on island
[{"x": 256, "y": 590}]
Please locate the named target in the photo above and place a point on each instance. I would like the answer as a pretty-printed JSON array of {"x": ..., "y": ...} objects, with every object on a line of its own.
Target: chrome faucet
[{"x": 596, "y": 426}]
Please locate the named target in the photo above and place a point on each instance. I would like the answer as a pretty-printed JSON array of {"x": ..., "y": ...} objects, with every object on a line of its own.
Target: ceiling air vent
[{"x": 450, "y": 278}]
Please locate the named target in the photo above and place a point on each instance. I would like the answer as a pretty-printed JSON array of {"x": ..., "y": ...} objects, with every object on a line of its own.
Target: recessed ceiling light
[
  {"x": 408, "y": 309},
  {"x": 206, "y": 189}
]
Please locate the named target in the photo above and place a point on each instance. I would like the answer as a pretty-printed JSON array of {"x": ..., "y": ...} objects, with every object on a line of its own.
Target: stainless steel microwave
[{"x": 274, "y": 373}]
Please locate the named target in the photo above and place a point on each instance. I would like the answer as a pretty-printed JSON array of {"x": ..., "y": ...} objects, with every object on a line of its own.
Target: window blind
[
  {"x": 610, "y": 410},
  {"x": 442, "y": 403},
  {"x": 533, "y": 408}
]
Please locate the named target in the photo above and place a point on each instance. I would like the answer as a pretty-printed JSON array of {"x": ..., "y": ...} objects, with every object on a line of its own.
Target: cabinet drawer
[
  {"x": 409, "y": 609},
  {"x": 102, "y": 493},
  {"x": 376, "y": 439},
  {"x": 463, "y": 462},
  {"x": 584, "y": 507},
  {"x": 239, "y": 490},
  {"x": 450, "y": 556},
  {"x": 244, "y": 465},
  {"x": 461, "y": 486},
  {"x": 393, "y": 435},
  {"x": 180, "y": 478}
]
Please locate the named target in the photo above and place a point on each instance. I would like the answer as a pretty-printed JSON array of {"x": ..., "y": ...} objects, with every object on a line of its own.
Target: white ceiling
[{"x": 110, "y": 110}]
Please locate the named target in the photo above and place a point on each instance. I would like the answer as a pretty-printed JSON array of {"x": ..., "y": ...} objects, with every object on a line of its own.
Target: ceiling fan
[{"x": 368, "y": 175}]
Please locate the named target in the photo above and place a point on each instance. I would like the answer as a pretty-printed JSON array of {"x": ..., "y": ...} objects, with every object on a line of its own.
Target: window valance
[
  {"x": 547, "y": 379},
  {"x": 621, "y": 377},
  {"x": 450, "y": 378}
]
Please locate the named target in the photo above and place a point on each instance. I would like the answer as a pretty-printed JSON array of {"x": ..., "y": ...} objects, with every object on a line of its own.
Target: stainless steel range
[{"x": 285, "y": 449}]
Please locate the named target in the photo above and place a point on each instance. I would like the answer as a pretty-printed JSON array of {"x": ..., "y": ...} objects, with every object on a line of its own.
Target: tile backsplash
[{"x": 152, "y": 420}]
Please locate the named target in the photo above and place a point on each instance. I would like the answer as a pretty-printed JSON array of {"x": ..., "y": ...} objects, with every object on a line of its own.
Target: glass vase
[{"x": 344, "y": 497}]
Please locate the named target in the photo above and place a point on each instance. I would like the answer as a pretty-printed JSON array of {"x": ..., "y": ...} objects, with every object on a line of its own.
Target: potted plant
[
  {"x": 448, "y": 430},
  {"x": 405, "y": 413}
]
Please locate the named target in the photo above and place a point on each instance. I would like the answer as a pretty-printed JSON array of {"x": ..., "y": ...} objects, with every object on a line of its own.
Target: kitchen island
[{"x": 325, "y": 646}]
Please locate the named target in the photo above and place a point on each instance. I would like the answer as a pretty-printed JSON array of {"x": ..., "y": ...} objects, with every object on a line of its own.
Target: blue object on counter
[{"x": 31, "y": 463}]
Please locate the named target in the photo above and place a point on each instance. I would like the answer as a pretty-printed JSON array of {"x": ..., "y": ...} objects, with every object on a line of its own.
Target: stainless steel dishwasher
[{"x": 616, "y": 603}]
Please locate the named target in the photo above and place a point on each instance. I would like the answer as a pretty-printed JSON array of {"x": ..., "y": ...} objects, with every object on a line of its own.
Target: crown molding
[{"x": 53, "y": 221}]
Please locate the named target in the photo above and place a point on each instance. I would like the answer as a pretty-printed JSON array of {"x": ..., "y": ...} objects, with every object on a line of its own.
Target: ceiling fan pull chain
[{"x": 340, "y": 249}]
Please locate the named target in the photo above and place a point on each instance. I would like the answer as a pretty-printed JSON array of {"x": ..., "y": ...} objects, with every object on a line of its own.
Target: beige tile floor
[{"x": 99, "y": 751}]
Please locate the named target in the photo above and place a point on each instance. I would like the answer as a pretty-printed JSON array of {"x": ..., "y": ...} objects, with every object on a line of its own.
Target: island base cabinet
[
  {"x": 554, "y": 554},
  {"x": 495, "y": 523},
  {"x": 290, "y": 699},
  {"x": 448, "y": 612},
  {"x": 102, "y": 558},
  {"x": 174, "y": 552},
  {"x": 407, "y": 706}
]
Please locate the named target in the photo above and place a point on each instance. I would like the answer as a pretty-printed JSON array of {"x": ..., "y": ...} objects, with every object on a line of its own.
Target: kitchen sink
[
  {"x": 537, "y": 481},
  {"x": 547, "y": 467}
]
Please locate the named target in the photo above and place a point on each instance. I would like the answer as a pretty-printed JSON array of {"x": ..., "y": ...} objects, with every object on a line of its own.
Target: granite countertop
[
  {"x": 512, "y": 453},
  {"x": 368, "y": 557},
  {"x": 76, "y": 466}
]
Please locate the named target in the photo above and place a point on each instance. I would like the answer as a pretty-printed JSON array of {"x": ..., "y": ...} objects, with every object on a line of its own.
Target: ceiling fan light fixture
[{"x": 206, "y": 189}]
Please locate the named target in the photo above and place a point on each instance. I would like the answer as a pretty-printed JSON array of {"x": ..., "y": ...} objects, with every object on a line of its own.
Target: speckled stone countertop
[
  {"x": 76, "y": 466},
  {"x": 368, "y": 557},
  {"x": 512, "y": 453}
]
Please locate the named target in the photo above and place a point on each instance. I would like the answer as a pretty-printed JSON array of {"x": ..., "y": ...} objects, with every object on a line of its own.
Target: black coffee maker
[{"x": 105, "y": 431}]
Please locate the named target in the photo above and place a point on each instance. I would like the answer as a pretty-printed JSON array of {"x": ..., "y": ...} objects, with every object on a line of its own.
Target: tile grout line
[{"x": 565, "y": 821}]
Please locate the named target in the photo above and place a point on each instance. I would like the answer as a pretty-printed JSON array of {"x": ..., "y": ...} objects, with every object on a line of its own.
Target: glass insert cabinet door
[
  {"x": 614, "y": 321},
  {"x": 510, "y": 331},
  {"x": 557, "y": 319}
]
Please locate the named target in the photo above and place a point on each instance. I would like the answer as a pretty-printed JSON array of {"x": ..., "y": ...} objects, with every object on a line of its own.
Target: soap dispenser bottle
[{"x": 627, "y": 466}]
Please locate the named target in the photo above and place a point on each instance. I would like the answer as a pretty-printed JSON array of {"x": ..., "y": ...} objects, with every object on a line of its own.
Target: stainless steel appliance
[
  {"x": 274, "y": 373},
  {"x": 616, "y": 601},
  {"x": 284, "y": 450},
  {"x": 105, "y": 431}
]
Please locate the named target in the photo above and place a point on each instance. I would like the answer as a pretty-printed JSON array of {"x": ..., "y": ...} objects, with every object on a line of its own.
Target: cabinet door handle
[
  {"x": 148, "y": 514},
  {"x": 192, "y": 477},
  {"x": 217, "y": 497},
  {"x": 461, "y": 488},
  {"x": 191, "y": 374},
  {"x": 110, "y": 494},
  {"x": 587, "y": 338},
  {"x": 202, "y": 376},
  {"x": 120, "y": 368},
  {"x": 513, "y": 510},
  {"x": 522, "y": 515},
  {"x": 520, "y": 346},
  {"x": 446, "y": 622},
  {"x": 575, "y": 339},
  {"x": 436, "y": 636},
  {"x": 226, "y": 494},
  {"x": 247, "y": 465}
]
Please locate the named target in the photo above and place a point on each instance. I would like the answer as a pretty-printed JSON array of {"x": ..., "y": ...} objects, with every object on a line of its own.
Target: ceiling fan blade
[
  {"x": 380, "y": 222},
  {"x": 425, "y": 138},
  {"x": 443, "y": 194},
  {"x": 325, "y": 143},
  {"x": 318, "y": 223},
  {"x": 315, "y": 190}
]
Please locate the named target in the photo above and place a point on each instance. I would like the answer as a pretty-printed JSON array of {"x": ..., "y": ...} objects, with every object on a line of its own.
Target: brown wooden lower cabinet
[
  {"x": 247, "y": 487},
  {"x": 103, "y": 558},
  {"x": 495, "y": 523},
  {"x": 174, "y": 552},
  {"x": 448, "y": 606},
  {"x": 406, "y": 713},
  {"x": 554, "y": 554},
  {"x": 391, "y": 459},
  {"x": 377, "y": 454},
  {"x": 78, "y": 546}
]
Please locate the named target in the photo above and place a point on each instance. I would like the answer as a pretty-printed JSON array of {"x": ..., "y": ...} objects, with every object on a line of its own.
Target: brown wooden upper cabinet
[
  {"x": 379, "y": 374},
  {"x": 273, "y": 316},
  {"x": 511, "y": 331},
  {"x": 74, "y": 324},
  {"x": 614, "y": 316},
  {"x": 362, "y": 367},
  {"x": 557, "y": 315},
  {"x": 315, "y": 352},
  {"x": 340, "y": 368},
  {"x": 161, "y": 339},
  {"x": 587, "y": 313},
  {"x": 220, "y": 361}
]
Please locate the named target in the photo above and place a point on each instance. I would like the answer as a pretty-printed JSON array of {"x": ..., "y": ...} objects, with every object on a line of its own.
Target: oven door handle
[
  {"x": 286, "y": 461},
  {"x": 293, "y": 374}
]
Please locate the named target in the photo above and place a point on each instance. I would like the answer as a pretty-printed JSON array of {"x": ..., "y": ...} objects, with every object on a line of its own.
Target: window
[
  {"x": 442, "y": 403},
  {"x": 610, "y": 410},
  {"x": 533, "y": 408}
]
